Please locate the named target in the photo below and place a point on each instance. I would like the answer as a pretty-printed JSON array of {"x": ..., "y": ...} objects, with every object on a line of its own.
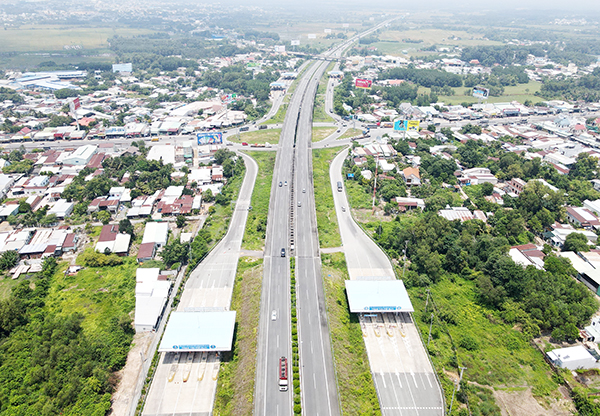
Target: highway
[
  {"x": 185, "y": 384},
  {"x": 318, "y": 383},
  {"x": 291, "y": 226},
  {"x": 404, "y": 377}
]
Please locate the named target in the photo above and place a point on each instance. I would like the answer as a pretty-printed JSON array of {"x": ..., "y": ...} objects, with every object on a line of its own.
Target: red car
[{"x": 244, "y": 144}]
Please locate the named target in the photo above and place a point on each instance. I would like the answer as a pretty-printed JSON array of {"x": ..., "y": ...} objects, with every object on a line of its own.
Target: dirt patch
[
  {"x": 522, "y": 403},
  {"x": 129, "y": 376}
]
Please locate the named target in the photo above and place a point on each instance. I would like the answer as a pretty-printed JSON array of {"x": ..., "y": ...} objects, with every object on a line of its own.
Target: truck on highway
[
  {"x": 283, "y": 374},
  {"x": 339, "y": 185}
]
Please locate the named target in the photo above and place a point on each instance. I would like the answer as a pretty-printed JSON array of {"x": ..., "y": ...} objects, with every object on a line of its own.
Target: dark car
[
  {"x": 283, "y": 252},
  {"x": 280, "y": 184}
]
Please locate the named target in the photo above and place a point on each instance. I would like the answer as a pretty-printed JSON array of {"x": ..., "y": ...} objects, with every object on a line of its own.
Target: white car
[{"x": 274, "y": 316}]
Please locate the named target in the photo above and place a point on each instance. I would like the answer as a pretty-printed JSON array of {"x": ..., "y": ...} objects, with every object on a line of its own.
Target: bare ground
[
  {"x": 522, "y": 403},
  {"x": 129, "y": 375}
]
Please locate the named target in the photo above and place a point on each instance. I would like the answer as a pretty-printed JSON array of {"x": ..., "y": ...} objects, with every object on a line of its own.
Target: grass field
[
  {"x": 95, "y": 292},
  {"x": 279, "y": 115},
  {"x": 257, "y": 136},
  {"x": 54, "y": 38},
  {"x": 6, "y": 285},
  {"x": 392, "y": 41},
  {"x": 358, "y": 198},
  {"x": 319, "y": 133},
  {"x": 519, "y": 92},
  {"x": 235, "y": 387},
  {"x": 350, "y": 133},
  {"x": 319, "y": 113},
  {"x": 356, "y": 387},
  {"x": 327, "y": 223},
  {"x": 495, "y": 354},
  {"x": 256, "y": 226},
  {"x": 29, "y": 61}
]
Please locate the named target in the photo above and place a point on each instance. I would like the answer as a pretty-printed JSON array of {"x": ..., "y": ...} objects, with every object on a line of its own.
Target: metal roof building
[
  {"x": 199, "y": 331},
  {"x": 156, "y": 232},
  {"x": 378, "y": 296}
]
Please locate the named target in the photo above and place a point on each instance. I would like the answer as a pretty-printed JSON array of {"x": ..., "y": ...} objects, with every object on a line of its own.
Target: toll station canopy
[
  {"x": 378, "y": 296},
  {"x": 198, "y": 331}
]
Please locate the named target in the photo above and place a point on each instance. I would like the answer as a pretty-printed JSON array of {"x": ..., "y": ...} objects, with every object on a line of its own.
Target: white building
[
  {"x": 81, "y": 156},
  {"x": 573, "y": 358},
  {"x": 62, "y": 208},
  {"x": 151, "y": 295},
  {"x": 157, "y": 233}
]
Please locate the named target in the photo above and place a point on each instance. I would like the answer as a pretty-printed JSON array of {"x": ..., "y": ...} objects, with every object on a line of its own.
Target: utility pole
[
  {"x": 430, "y": 325},
  {"x": 375, "y": 183},
  {"x": 404, "y": 263},
  {"x": 426, "y": 300},
  {"x": 456, "y": 388}
]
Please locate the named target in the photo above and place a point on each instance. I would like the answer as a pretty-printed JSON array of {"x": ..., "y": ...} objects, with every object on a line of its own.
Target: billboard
[
  {"x": 228, "y": 98},
  {"x": 122, "y": 67},
  {"x": 74, "y": 104},
  {"x": 363, "y": 83},
  {"x": 480, "y": 92},
  {"x": 295, "y": 42},
  {"x": 210, "y": 138},
  {"x": 312, "y": 36},
  {"x": 407, "y": 125}
]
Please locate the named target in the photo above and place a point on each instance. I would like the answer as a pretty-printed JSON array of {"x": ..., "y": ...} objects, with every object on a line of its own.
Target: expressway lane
[{"x": 318, "y": 382}]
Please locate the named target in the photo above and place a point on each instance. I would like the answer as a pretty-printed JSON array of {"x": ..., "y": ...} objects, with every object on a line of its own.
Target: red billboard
[{"x": 363, "y": 83}]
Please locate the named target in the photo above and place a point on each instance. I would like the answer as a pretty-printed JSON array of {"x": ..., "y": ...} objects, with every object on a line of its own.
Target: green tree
[
  {"x": 104, "y": 217},
  {"x": 576, "y": 242},
  {"x": 125, "y": 226},
  {"x": 180, "y": 221},
  {"x": 8, "y": 259}
]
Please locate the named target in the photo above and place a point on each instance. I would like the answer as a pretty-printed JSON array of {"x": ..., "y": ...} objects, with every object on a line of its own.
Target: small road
[
  {"x": 404, "y": 377},
  {"x": 173, "y": 391}
]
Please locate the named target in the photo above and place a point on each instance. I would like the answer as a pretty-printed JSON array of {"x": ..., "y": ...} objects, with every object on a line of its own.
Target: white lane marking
[
  {"x": 383, "y": 379},
  {"x": 315, "y": 381}
]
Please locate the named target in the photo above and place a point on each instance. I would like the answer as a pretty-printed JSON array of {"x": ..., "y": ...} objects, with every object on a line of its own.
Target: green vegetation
[
  {"x": 320, "y": 133},
  {"x": 295, "y": 361},
  {"x": 256, "y": 226},
  {"x": 235, "y": 387},
  {"x": 279, "y": 115},
  {"x": 40, "y": 37},
  {"x": 258, "y": 136},
  {"x": 67, "y": 335},
  {"x": 350, "y": 133},
  {"x": 327, "y": 224},
  {"x": 319, "y": 114},
  {"x": 355, "y": 384}
]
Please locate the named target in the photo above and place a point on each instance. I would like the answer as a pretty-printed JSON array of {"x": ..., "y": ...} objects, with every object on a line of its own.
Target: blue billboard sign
[
  {"x": 210, "y": 138},
  {"x": 400, "y": 125}
]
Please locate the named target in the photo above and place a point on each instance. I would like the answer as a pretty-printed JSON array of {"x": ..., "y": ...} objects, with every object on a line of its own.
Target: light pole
[{"x": 430, "y": 325}]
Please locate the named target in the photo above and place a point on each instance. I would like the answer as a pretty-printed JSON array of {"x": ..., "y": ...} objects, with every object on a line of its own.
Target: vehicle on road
[
  {"x": 339, "y": 185},
  {"x": 299, "y": 204},
  {"x": 283, "y": 374},
  {"x": 303, "y": 190},
  {"x": 283, "y": 252},
  {"x": 262, "y": 127},
  {"x": 338, "y": 130},
  {"x": 246, "y": 128},
  {"x": 274, "y": 316},
  {"x": 285, "y": 183},
  {"x": 244, "y": 144},
  {"x": 280, "y": 184},
  {"x": 343, "y": 209}
]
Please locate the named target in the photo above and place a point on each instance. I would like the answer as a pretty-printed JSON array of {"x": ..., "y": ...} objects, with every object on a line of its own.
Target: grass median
[
  {"x": 355, "y": 383},
  {"x": 256, "y": 226},
  {"x": 327, "y": 223},
  {"x": 258, "y": 136},
  {"x": 279, "y": 115},
  {"x": 235, "y": 388},
  {"x": 320, "y": 133}
]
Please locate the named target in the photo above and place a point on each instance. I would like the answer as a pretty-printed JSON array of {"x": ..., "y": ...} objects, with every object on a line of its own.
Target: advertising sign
[
  {"x": 412, "y": 125},
  {"x": 480, "y": 92},
  {"x": 295, "y": 42},
  {"x": 406, "y": 125},
  {"x": 210, "y": 138},
  {"x": 399, "y": 125},
  {"x": 74, "y": 105},
  {"x": 228, "y": 98},
  {"x": 363, "y": 83}
]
